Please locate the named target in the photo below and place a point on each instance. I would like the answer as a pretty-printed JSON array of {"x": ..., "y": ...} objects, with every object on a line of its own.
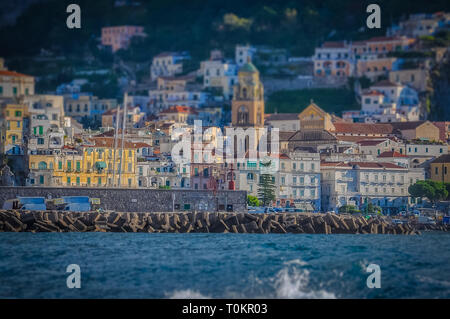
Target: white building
[
  {"x": 357, "y": 183},
  {"x": 296, "y": 177},
  {"x": 220, "y": 74},
  {"x": 167, "y": 64},
  {"x": 386, "y": 102},
  {"x": 243, "y": 53}
]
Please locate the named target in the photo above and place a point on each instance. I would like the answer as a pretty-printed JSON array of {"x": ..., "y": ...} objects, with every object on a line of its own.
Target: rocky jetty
[{"x": 196, "y": 222}]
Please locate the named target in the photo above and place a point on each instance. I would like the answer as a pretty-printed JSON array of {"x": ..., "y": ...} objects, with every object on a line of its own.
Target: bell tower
[{"x": 247, "y": 106}]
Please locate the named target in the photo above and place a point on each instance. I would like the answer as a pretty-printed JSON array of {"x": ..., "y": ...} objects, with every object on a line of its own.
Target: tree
[
  {"x": 370, "y": 209},
  {"x": 266, "y": 189},
  {"x": 348, "y": 209},
  {"x": 432, "y": 190},
  {"x": 252, "y": 200}
]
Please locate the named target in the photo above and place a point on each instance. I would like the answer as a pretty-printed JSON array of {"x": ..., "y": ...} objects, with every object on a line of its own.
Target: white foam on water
[
  {"x": 295, "y": 262},
  {"x": 292, "y": 283},
  {"x": 186, "y": 294}
]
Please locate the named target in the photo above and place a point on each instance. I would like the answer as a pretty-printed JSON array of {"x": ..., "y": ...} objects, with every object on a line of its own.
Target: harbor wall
[
  {"x": 140, "y": 199},
  {"x": 201, "y": 222}
]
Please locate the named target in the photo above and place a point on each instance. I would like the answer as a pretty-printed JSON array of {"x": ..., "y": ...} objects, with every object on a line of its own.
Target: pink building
[{"x": 119, "y": 37}]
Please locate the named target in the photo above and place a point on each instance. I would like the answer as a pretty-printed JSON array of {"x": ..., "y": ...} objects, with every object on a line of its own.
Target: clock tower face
[{"x": 248, "y": 100}]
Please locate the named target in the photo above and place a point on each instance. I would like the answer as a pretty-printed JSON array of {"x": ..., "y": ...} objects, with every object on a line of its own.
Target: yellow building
[
  {"x": 440, "y": 169},
  {"x": 247, "y": 106},
  {"x": 313, "y": 118},
  {"x": 90, "y": 166},
  {"x": 12, "y": 128}
]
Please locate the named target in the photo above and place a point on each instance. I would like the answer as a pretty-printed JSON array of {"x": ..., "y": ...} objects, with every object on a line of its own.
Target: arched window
[
  {"x": 42, "y": 165},
  {"x": 243, "y": 115}
]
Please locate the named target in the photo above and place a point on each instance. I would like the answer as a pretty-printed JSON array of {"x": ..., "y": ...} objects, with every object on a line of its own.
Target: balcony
[{"x": 344, "y": 179}]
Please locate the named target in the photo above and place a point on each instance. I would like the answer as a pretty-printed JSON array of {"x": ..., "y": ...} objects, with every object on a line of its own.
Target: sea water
[{"x": 141, "y": 265}]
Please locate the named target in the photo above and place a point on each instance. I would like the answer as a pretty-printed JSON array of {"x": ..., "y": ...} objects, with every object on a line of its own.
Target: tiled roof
[
  {"x": 442, "y": 129},
  {"x": 334, "y": 44},
  {"x": 391, "y": 154},
  {"x": 384, "y": 83},
  {"x": 179, "y": 109},
  {"x": 372, "y": 92},
  {"x": 373, "y": 165},
  {"x": 442, "y": 159},
  {"x": 108, "y": 142},
  {"x": 12, "y": 73},
  {"x": 372, "y": 142},
  {"x": 363, "y": 128},
  {"x": 407, "y": 125},
  {"x": 281, "y": 116}
]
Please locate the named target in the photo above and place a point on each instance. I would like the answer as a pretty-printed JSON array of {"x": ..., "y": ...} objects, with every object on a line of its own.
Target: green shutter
[
  {"x": 60, "y": 165},
  {"x": 41, "y": 130}
]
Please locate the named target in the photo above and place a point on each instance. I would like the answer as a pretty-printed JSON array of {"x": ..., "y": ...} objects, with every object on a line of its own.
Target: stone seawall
[
  {"x": 140, "y": 199},
  {"x": 198, "y": 222}
]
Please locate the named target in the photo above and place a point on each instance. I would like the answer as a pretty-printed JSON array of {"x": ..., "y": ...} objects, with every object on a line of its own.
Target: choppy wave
[{"x": 291, "y": 282}]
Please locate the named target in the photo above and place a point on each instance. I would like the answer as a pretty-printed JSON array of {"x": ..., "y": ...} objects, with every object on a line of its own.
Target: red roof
[
  {"x": 372, "y": 92},
  {"x": 179, "y": 109},
  {"x": 363, "y": 128},
  {"x": 391, "y": 154},
  {"x": 12, "y": 73},
  {"x": 360, "y": 164},
  {"x": 370, "y": 142},
  {"x": 108, "y": 142}
]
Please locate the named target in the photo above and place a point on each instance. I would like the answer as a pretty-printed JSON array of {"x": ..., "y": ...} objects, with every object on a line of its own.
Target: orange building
[{"x": 119, "y": 37}]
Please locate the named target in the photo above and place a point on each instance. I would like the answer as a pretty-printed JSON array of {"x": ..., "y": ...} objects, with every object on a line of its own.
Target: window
[
  {"x": 60, "y": 165},
  {"x": 89, "y": 181},
  {"x": 78, "y": 180},
  {"x": 68, "y": 180},
  {"x": 130, "y": 166},
  {"x": 18, "y": 113},
  {"x": 14, "y": 90},
  {"x": 99, "y": 181},
  {"x": 40, "y": 141},
  {"x": 1, "y": 90},
  {"x": 41, "y": 179}
]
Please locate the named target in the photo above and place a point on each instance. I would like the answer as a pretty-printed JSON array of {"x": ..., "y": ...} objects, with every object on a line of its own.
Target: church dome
[{"x": 248, "y": 67}]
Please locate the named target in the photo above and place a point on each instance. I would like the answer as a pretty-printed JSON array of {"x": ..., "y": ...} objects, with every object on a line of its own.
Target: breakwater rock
[{"x": 193, "y": 222}]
